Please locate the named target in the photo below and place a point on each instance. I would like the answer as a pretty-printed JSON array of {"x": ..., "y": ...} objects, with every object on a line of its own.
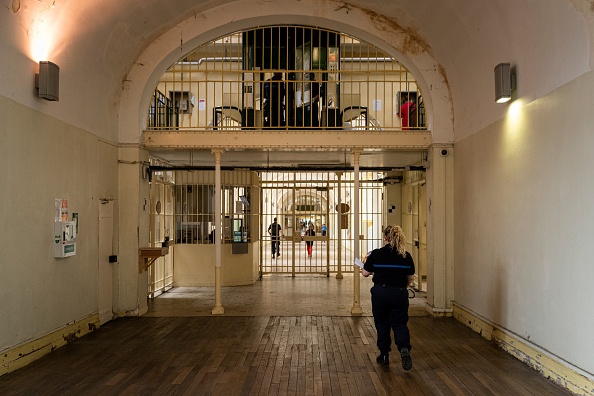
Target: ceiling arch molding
[{"x": 405, "y": 45}]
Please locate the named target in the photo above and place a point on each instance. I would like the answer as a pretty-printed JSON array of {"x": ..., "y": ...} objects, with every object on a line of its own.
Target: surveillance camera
[{"x": 443, "y": 152}]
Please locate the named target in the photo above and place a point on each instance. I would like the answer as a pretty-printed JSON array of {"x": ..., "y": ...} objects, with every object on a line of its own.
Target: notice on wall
[
  {"x": 201, "y": 104},
  {"x": 60, "y": 209}
]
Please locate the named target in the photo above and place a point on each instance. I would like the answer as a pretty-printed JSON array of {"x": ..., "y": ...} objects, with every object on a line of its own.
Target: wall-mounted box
[
  {"x": 48, "y": 80},
  {"x": 64, "y": 239}
]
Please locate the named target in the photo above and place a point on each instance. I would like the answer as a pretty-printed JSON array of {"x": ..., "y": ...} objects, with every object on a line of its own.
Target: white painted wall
[
  {"x": 42, "y": 159},
  {"x": 523, "y": 227},
  {"x": 195, "y": 266}
]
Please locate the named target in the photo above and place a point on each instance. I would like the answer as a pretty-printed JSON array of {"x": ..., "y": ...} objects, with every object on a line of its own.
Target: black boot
[
  {"x": 406, "y": 359},
  {"x": 383, "y": 359}
]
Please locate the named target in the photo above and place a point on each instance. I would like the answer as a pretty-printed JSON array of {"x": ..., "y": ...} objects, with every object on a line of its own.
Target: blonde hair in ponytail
[{"x": 395, "y": 237}]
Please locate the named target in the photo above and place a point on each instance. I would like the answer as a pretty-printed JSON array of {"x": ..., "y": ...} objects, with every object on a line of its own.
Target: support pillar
[
  {"x": 218, "y": 308},
  {"x": 356, "y": 309},
  {"x": 440, "y": 230},
  {"x": 132, "y": 206},
  {"x": 339, "y": 210}
]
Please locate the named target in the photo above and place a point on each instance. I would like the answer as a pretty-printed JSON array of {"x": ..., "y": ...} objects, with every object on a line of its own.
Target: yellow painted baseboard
[
  {"x": 547, "y": 365},
  {"x": 20, "y": 356}
]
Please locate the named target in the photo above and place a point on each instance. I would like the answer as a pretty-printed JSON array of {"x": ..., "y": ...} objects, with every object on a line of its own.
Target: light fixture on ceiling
[
  {"x": 48, "y": 80},
  {"x": 505, "y": 82}
]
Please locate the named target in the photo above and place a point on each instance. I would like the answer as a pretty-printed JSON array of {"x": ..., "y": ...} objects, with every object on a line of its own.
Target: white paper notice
[{"x": 358, "y": 263}]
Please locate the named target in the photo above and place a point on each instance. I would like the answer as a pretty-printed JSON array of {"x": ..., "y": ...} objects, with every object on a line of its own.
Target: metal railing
[{"x": 287, "y": 77}]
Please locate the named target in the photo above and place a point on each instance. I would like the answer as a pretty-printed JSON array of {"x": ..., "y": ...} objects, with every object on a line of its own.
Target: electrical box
[{"x": 64, "y": 239}]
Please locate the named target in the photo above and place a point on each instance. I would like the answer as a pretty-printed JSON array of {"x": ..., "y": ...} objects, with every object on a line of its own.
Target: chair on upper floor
[{"x": 356, "y": 116}]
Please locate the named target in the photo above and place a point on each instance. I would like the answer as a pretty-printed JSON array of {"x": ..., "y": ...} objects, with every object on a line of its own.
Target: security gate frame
[{"x": 298, "y": 199}]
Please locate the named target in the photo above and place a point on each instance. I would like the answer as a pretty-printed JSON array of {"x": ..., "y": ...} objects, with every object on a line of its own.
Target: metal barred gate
[{"x": 322, "y": 202}]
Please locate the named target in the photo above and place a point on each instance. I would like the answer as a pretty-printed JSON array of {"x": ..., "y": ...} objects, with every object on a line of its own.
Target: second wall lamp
[{"x": 505, "y": 82}]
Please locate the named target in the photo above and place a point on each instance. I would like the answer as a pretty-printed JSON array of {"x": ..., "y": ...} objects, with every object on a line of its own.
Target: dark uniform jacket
[{"x": 389, "y": 267}]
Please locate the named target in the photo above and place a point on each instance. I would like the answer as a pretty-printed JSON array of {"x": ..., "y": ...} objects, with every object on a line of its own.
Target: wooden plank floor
[{"x": 178, "y": 348}]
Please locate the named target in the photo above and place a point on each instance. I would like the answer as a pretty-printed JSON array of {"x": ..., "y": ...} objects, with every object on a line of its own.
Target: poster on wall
[{"x": 61, "y": 209}]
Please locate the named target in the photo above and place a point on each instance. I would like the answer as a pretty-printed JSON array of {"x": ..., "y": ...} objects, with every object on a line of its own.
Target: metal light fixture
[
  {"x": 48, "y": 80},
  {"x": 504, "y": 82}
]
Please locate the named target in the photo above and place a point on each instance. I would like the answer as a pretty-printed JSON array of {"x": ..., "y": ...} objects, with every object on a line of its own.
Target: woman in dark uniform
[{"x": 393, "y": 271}]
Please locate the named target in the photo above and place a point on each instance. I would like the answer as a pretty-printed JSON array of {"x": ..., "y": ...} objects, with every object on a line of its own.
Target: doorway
[{"x": 321, "y": 202}]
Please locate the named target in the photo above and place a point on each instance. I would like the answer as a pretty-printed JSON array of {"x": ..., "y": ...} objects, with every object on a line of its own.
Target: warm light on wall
[
  {"x": 515, "y": 122},
  {"x": 41, "y": 42},
  {"x": 42, "y": 31}
]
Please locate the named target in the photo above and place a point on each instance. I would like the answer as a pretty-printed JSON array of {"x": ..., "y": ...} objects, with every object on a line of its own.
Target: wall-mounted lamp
[
  {"x": 505, "y": 82},
  {"x": 48, "y": 80}
]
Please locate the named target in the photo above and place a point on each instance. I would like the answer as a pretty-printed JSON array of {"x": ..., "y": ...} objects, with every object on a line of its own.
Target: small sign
[{"x": 343, "y": 208}]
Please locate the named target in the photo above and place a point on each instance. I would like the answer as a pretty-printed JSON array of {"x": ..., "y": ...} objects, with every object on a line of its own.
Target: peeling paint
[
  {"x": 548, "y": 367},
  {"x": 70, "y": 337},
  {"x": 414, "y": 43},
  {"x": 579, "y": 5},
  {"x": 344, "y": 7}
]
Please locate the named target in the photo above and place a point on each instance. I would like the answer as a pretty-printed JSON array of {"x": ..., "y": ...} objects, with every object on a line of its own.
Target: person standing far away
[
  {"x": 393, "y": 271},
  {"x": 324, "y": 229},
  {"x": 275, "y": 231},
  {"x": 274, "y": 97},
  {"x": 309, "y": 244}
]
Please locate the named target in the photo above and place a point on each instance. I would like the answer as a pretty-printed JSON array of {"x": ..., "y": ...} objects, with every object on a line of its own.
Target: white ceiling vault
[{"x": 117, "y": 50}]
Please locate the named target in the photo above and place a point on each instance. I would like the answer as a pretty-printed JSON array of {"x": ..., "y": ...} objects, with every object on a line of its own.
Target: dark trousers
[
  {"x": 390, "y": 312},
  {"x": 275, "y": 245}
]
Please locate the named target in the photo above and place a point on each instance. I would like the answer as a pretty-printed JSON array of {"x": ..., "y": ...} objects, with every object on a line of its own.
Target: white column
[
  {"x": 339, "y": 209},
  {"x": 356, "y": 309},
  {"x": 218, "y": 308},
  {"x": 440, "y": 230},
  {"x": 130, "y": 296}
]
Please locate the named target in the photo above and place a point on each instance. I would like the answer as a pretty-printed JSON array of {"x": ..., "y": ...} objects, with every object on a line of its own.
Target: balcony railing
[{"x": 287, "y": 78}]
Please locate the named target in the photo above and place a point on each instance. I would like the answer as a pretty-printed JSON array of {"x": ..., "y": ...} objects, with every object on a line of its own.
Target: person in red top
[
  {"x": 309, "y": 244},
  {"x": 407, "y": 114}
]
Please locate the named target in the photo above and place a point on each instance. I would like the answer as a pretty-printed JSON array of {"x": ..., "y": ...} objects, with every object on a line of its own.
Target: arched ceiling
[{"x": 97, "y": 44}]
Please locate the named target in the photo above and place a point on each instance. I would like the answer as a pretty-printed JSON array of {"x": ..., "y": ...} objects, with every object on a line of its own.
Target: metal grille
[
  {"x": 302, "y": 201},
  {"x": 324, "y": 79},
  {"x": 160, "y": 273},
  {"x": 195, "y": 207}
]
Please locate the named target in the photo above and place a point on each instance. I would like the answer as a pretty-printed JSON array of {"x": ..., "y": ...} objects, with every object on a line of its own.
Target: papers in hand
[{"x": 358, "y": 263}]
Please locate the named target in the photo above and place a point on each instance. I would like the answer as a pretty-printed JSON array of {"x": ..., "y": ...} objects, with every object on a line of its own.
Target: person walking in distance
[
  {"x": 393, "y": 271},
  {"x": 275, "y": 231},
  {"x": 309, "y": 244}
]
